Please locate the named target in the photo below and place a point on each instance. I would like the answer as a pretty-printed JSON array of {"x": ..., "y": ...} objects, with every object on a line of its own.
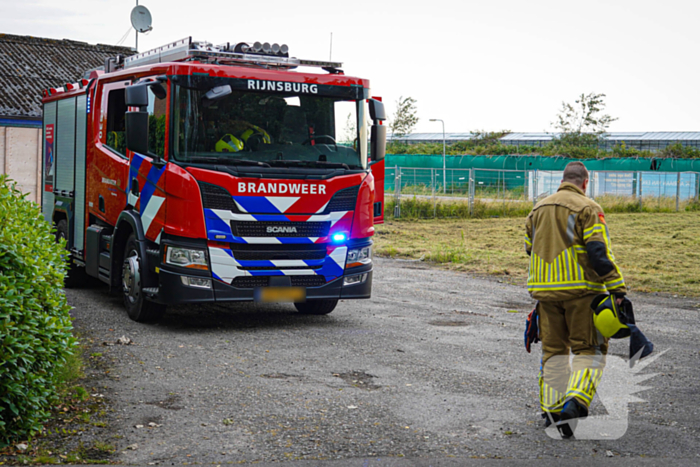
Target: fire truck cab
[{"x": 199, "y": 173}]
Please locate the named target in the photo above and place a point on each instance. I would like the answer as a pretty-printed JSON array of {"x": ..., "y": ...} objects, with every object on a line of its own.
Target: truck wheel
[
  {"x": 138, "y": 308},
  {"x": 316, "y": 307},
  {"x": 75, "y": 275}
]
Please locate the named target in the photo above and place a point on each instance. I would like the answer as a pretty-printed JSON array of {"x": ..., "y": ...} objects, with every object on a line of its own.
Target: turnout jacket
[{"x": 569, "y": 246}]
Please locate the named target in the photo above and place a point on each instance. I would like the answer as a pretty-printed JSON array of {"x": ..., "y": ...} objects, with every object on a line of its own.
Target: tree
[
  {"x": 582, "y": 124},
  {"x": 405, "y": 118},
  {"x": 349, "y": 132}
]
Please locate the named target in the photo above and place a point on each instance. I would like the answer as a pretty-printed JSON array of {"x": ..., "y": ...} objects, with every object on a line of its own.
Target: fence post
[
  {"x": 471, "y": 191},
  {"x": 639, "y": 184},
  {"x": 525, "y": 183},
  {"x": 678, "y": 192},
  {"x": 535, "y": 186},
  {"x": 397, "y": 192},
  {"x": 504, "y": 193},
  {"x": 697, "y": 186},
  {"x": 432, "y": 184}
]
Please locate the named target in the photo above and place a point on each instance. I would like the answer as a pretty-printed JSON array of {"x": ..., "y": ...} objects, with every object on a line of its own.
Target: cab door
[{"x": 108, "y": 179}]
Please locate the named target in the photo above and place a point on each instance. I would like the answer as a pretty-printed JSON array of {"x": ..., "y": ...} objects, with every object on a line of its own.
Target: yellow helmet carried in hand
[
  {"x": 607, "y": 317},
  {"x": 229, "y": 143}
]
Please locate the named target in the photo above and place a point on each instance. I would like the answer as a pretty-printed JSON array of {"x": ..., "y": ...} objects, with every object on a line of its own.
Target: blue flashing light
[{"x": 339, "y": 237}]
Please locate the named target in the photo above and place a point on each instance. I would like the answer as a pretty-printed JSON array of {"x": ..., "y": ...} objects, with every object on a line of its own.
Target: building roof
[
  {"x": 28, "y": 65},
  {"x": 628, "y": 136}
]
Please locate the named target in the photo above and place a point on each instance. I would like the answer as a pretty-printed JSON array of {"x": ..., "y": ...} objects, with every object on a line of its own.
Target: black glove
[{"x": 532, "y": 329}]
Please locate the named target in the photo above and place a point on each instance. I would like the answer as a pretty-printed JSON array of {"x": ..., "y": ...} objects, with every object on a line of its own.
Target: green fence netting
[
  {"x": 506, "y": 172},
  {"x": 541, "y": 163}
]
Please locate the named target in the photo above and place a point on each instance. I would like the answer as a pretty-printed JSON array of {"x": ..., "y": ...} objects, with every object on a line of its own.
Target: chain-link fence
[{"x": 425, "y": 193}]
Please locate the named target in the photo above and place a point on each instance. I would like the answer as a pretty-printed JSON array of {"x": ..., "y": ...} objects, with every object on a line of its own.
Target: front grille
[
  {"x": 251, "y": 282},
  {"x": 343, "y": 200},
  {"x": 308, "y": 281},
  {"x": 275, "y": 268},
  {"x": 265, "y": 252},
  {"x": 295, "y": 229},
  {"x": 215, "y": 197}
]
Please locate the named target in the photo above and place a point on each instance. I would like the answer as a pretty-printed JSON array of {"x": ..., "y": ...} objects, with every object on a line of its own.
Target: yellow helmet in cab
[
  {"x": 256, "y": 130},
  {"x": 229, "y": 143}
]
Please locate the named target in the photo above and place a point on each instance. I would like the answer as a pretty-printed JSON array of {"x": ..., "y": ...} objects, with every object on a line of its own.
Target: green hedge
[{"x": 35, "y": 325}]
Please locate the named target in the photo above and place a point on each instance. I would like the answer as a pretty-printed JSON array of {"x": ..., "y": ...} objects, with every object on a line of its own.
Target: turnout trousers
[{"x": 567, "y": 327}]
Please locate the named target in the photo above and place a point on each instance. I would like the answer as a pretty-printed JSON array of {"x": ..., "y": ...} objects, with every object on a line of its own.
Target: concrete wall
[{"x": 20, "y": 158}]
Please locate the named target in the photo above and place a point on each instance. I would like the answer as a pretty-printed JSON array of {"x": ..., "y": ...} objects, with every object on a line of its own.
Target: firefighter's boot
[
  {"x": 570, "y": 415},
  {"x": 549, "y": 418}
]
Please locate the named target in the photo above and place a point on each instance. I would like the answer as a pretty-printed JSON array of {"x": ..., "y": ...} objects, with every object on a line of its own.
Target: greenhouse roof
[{"x": 613, "y": 136}]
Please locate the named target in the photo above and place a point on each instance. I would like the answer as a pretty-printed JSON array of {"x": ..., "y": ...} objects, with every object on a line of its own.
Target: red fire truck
[{"x": 200, "y": 173}]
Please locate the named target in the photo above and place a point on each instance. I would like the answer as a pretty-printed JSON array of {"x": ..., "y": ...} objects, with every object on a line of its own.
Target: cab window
[
  {"x": 156, "y": 123},
  {"x": 116, "y": 122}
]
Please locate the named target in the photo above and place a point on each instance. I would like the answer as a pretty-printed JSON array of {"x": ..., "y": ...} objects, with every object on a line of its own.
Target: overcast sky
[{"x": 488, "y": 65}]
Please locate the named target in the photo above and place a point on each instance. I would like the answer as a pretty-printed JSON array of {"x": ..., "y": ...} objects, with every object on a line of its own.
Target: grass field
[
  {"x": 657, "y": 252},
  {"x": 414, "y": 207}
]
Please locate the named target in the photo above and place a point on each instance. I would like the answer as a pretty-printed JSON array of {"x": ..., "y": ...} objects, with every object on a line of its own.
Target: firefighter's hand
[{"x": 619, "y": 297}]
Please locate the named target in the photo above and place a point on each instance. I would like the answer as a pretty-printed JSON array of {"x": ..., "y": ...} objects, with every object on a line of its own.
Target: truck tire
[
  {"x": 75, "y": 275},
  {"x": 137, "y": 307},
  {"x": 316, "y": 307}
]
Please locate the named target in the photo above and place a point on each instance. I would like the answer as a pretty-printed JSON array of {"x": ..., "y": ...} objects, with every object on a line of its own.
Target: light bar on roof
[{"x": 242, "y": 53}]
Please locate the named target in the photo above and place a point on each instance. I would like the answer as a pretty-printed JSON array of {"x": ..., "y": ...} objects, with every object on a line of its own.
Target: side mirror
[
  {"x": 137, "y": 121},
  {"x": 377, "y": 146},
  {"x": 158, "y": 90},
  {"x": 137, "y": 132},
  {"x": 137, "y": 95},
  {"x": 376, "y": 110}
]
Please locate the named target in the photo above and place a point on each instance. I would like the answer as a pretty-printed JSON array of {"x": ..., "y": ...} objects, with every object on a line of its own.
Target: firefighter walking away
[{"x": 571, "y": 262}]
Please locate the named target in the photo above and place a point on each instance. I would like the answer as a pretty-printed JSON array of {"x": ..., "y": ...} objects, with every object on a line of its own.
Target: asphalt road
[{"x": 430, "y": 371}]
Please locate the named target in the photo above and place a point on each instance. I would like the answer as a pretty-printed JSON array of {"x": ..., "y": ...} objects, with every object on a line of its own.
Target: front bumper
[{"x": 172, "y": 290}]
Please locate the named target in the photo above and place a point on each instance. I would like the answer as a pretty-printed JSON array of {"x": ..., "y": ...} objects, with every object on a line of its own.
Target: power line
[{"x": 124, "y": 37}]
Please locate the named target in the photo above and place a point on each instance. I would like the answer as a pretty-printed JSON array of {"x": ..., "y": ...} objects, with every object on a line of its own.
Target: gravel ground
[{"x": 432, "y": 368}]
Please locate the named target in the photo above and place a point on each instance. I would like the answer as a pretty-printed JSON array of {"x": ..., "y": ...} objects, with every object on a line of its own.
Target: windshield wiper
[
  {"x": 228, "y": 161},
  {"x": 299, "y": 163}
]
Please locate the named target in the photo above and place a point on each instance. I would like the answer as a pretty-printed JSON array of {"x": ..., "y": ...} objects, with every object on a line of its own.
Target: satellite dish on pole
[{"x": 141, "y": 19}]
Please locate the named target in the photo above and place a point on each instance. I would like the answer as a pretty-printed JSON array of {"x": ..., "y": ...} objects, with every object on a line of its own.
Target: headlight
[
  {"x": 186, "y": 258},
  {"x": 359, "y": 257}
]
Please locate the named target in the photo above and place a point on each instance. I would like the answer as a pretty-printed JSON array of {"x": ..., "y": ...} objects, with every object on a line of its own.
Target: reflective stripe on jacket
[{"x": 569, "y": 246}]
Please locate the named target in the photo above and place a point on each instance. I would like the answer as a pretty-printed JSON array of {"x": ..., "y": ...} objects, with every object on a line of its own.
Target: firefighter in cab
[{"x": 571, "y": 263}]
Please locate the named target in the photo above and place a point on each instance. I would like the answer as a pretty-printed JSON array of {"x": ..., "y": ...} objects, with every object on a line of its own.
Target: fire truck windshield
[{"x": 241, "y": 121}]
